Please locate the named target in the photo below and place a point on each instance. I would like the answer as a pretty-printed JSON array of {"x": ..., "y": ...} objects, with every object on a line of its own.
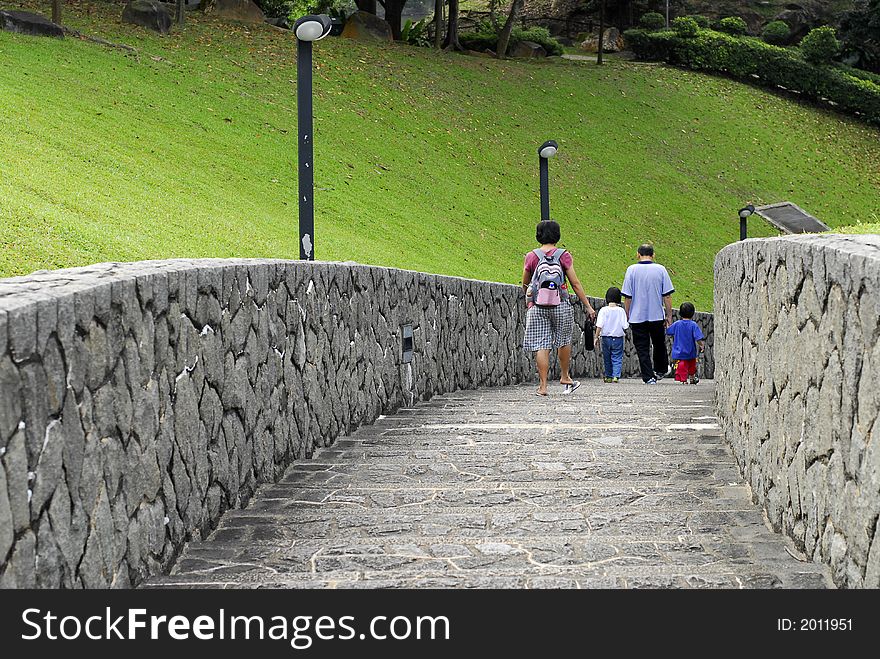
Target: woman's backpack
[{"x": 548, "y": 279}]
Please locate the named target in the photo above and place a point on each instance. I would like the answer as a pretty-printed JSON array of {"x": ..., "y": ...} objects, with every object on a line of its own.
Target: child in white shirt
[{"x": 611, "y": 324}]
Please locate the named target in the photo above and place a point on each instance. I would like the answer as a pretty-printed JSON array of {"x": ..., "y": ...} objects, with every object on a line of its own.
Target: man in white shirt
[{"x": 647, "y": 291}]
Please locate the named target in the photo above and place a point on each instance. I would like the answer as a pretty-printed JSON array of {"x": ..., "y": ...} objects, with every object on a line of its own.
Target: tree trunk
[
  {"x": 181, "y": 9},
  {"x": 438, "y": 24},
  {"x": 394, "y": 15},
  {"x": 56, "y": 11},
  {"x": 601, "y": 48},
  {"x": 452, "y": 42},
  {"x": 504, "y": 36},
  {"x": 368, "y": 6}
]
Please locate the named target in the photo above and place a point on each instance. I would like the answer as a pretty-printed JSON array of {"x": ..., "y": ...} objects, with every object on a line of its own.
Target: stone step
[{"x": 616, "y": 486}]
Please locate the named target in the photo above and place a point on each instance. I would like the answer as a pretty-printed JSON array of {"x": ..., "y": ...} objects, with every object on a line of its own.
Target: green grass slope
[{"x": 423, "y": 160}]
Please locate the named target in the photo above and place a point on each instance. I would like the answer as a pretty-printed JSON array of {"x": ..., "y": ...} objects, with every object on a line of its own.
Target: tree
[
  {"x": 394, "y": 15},
  {"x": 860, "y": 35},
  {"x": 452, "y": 42},
  {"x": 438, "y": 24},
  {"x": 504, "y": 35},
  {"x": 181, "y": 9},
  {"x": 368, "y": 6},
  {"x": 56, "y": 11}
]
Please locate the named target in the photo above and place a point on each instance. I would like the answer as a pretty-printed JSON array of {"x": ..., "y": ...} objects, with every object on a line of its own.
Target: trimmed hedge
[
  {"x": 652, "y": 21},
  {"x": 858, "y": 73},
  {"x": 754, "y": 61},
  {"x": 733, "y": 25},
  {"x": 685, "y": 26},
  {"x": 820, "y": 45},
  {"x": 702, "y": 21}
]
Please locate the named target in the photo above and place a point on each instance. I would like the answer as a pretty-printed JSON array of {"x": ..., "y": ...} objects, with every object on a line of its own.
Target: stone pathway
[
  {"x": 615, "y": 486},
  {"x": 579, "y": 58}
]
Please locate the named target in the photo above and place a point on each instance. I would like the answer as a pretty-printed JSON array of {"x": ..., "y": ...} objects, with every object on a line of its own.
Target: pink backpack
[{"x": 548, "y": 279}]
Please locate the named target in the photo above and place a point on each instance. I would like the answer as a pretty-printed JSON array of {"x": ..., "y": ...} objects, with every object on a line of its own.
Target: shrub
[
  {"x": 487, "y": 39},
  {"x": 754, "y": 61},
  {"x": 479, "y": 41},
  {"x": 702, "y": 21},
  {"x": 293, "y": 9},
  {"x": 733, "y": 25},
  {"x": 776, "y": 32},
  {"x": 685, "y": 26},
  {"x": 636, "y": 40},
  {"x": 858, "y": 73},
  {"x": 820, "y": 45},
  {"x": 652, "y": 21},
  {"x": 415, "y": 34},
  {"x": 539, "y": 35},
  {"x": 274, "y": 8}
]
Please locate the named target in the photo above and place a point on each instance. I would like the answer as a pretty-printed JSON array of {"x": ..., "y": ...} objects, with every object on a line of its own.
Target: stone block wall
[
  {"x": 798, "y": 389},
  {"x": 139, "y": 401}
]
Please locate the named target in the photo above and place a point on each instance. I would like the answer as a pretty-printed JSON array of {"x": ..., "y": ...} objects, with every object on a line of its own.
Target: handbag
[{"x": 588, "y": 334}]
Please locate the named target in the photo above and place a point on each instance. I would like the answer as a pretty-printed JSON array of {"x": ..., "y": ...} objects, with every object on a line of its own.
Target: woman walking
[{"x": 550, "y": 318}]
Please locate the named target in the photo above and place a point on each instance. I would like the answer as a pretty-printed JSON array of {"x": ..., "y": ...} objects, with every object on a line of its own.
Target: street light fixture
[
  {"x": 547, "y": 150},
  {"x": 307, "y": 29},
  {"x": 744, "y": 213}
]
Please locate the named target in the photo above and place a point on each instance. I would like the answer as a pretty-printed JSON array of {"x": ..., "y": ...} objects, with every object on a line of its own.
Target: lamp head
[
  {"x": 548, "y": 149},
  {"x": 745, "y": 212},
  {"x": 312, "y": 28}
]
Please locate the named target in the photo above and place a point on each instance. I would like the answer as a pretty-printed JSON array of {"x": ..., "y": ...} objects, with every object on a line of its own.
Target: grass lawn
[{"x": 424, "y": 160}]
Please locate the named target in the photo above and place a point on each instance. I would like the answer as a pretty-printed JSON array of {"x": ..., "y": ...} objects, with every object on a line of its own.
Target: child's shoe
[
  {"x": 607, "y": 380},
  {"x": 693, "y": 379},
  {"x": 615, "y": 380}
]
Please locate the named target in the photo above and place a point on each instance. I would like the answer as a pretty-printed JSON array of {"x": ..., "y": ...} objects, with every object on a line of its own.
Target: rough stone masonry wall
[
  {"x": 139, "y": 401},
  {"x": 798, "y": 389}
]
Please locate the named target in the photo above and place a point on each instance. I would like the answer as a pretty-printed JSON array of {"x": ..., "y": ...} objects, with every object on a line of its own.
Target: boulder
[
  {"x": 368, "y": 27},
  {"x": 528, "y": 49},
  {"x": 237, "y": 10},
  {"x": 24, "y": 22},
  {"x": 612, "y": 42},
  {"x": 149, "y": 14}
]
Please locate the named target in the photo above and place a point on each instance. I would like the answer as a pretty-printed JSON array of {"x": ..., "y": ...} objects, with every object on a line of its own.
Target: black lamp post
[
  {"x": 547, "y": 150},
  {"x": 307, "y": 30},
  {"x": 743, "y": 216}
]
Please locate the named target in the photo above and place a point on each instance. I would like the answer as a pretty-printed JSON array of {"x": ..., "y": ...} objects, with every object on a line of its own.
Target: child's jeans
[
  {"x": 686, "y": 368},
  {"x": 612, "y": 353}
]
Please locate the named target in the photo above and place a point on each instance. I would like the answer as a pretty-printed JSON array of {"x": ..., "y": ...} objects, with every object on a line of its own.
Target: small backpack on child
[{"x": 548, "y": 279}]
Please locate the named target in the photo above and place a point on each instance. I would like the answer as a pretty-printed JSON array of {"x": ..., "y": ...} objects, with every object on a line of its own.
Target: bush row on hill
[{"x": 753, "y": 60}]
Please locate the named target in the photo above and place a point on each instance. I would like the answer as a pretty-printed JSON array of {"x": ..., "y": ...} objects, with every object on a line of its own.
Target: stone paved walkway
[{"x": 615, "y": 486}]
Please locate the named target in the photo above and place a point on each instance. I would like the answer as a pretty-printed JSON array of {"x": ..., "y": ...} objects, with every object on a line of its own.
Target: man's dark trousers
[{"x": 645, "y": 334}]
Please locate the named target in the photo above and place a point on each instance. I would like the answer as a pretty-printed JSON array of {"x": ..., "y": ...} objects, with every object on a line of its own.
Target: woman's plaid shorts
[{"x": 548, "y": 327}]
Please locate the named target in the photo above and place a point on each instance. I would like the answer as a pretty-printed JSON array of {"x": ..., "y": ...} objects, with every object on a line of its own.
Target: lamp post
[
  {"x": 307, "y": 30},
  {"x": 546, "y": 151},
  {"x": 743, "y": 216}
]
